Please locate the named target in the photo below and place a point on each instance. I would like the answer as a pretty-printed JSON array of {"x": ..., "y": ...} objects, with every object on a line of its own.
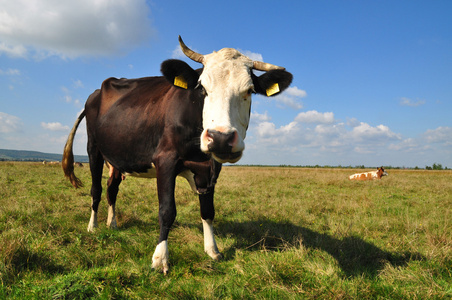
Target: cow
[
  {"x": 369, "y": 175},
  {"x": 185, "y": 123}
]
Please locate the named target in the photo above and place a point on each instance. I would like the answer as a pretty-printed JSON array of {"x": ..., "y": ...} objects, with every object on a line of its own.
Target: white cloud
[
  {"x": 257, "y": 117},
  {"x": 407, "y": 145},
  {"x": 441, "y": 135},
  {"x": 67, "y": 97},
  {"x": 291, "y": 97},
  {"x": 178, "y": 54},
  {"x": 10, "y": 72},
  {"x": 408, "y": 102},
  {"x": 365, "y": 132},
  {"x": 17, "y": 51},
  {"x": 72, "y": 28},
  {"x": 330, "y": 131},
  {"x": 252, "y": 55},
  {"x": 54, "y": 126},
  {"x": 353, "y": 122},
  {"x": 268, "y": 133},
  {"x": 313, "y": 116},
  {"x": 295, "y": 92},
  {"x": 78, "y": 84},
  {"x": 318, "y": 138},
  {"x": 9, "y": 123}
]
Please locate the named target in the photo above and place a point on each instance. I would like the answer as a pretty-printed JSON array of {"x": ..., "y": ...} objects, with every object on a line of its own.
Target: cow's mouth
[{"x": 227, "y": 157}]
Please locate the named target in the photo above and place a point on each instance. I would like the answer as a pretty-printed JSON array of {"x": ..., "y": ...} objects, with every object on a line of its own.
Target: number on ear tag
[
  {"x": 273, "y": 89},
  {"x": 180, "y": 82}
]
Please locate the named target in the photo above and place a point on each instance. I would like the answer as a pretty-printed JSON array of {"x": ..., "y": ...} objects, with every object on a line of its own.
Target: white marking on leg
[
  {"x": 92, "y": 225},
  {"x": 210, "y": 246},
  {"x": 160, "y": 257},
  {"x": 111, "y": 219}
]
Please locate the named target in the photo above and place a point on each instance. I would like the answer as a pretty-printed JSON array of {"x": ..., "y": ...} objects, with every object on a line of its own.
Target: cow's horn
[
  {"x": 190, "y": 53},
  {"x": 261, "y": 66}
]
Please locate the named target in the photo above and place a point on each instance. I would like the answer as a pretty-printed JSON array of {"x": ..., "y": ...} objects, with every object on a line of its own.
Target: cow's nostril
[
  {"x": 210, "y": 136},
  {"x": 233, "y": 139},
  {"x": 210, "y": 133}
]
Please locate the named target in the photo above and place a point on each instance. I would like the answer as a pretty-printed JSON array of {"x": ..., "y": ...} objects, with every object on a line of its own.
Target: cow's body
[
  {"x": 150, "y": 127},
  {"x": 380, "y": 172}
]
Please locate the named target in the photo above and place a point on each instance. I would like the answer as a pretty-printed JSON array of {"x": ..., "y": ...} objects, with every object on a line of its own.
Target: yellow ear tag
[
  {"x": 273, "y": 89},
  {"x": 180, "y": 82}
]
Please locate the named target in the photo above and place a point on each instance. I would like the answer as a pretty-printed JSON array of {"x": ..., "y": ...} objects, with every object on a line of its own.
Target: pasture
[{"x": 285, "y": 233}]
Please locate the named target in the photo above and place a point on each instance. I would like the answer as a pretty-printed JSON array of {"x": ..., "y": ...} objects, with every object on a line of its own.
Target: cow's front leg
[
  {"x": 166, "y": 181},
  {"x": 207, "y": 215}
]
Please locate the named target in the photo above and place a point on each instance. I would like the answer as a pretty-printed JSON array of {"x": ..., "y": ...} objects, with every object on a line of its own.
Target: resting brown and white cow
[
  {"x": 369, "y": 175},
  {"x": 186, "y": 123}
]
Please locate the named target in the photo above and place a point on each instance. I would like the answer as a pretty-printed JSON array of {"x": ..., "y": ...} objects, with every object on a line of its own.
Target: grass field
[{"x": 286, "y": 233}]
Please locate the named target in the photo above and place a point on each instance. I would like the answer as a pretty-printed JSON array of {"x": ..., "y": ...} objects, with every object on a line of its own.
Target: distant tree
[
  {"x": 437, "y": 166},
  {"x": 428, "y": 168}
]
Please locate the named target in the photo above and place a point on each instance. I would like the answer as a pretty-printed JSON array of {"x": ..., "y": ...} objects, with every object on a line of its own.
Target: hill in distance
[{"x": 24, "y": 155}]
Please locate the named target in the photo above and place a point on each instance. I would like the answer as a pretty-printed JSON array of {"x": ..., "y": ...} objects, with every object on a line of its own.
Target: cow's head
[
  {"x": 227, "y": 82},
  {"x": 382, "y": 171}
]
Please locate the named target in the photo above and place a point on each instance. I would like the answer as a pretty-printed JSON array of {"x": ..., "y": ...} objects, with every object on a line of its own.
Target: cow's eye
[
  {"x": 201, "y": 88},
  {"x": 248, "y": 93}
]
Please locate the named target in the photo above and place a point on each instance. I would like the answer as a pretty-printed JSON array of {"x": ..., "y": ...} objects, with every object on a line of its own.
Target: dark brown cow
[{"x": 186, "y": 123}]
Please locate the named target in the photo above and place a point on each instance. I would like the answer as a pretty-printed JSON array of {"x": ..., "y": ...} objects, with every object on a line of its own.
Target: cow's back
[{"x": 363, "y": 176}]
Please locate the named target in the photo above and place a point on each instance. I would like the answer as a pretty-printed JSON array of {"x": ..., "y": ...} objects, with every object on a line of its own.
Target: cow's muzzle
[{"x": 223, "y": 145}]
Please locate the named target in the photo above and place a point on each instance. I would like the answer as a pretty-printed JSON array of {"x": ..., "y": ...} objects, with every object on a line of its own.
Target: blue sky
[{"x": 372, "y": 79}]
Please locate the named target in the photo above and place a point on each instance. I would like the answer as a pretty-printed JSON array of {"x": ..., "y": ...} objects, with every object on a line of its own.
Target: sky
[{"x": 372, "y": 79}]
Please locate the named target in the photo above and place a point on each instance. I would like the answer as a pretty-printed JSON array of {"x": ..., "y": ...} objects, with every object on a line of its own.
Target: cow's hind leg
[
  {"x": 113, "y": 182},
  {"x": 207, "y": 216},
  {"x": 96, "y": 163}
]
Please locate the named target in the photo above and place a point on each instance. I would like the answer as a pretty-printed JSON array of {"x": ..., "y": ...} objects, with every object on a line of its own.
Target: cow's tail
[{"x": 68, "y": 155}]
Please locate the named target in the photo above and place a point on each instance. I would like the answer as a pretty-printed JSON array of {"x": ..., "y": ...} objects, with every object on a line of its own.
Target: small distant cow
[{"x": 369, "y": 175}]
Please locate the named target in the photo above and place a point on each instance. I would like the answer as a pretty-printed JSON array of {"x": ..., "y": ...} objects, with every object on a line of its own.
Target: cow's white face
[
  {"x": 228, "y": 86},
  {"x": 227, "y": 81}
]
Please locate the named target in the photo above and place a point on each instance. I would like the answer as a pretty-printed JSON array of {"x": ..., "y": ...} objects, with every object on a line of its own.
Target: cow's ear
[
  {"x": 179, "y": 73},
  {"x": 272, "y": 82}
]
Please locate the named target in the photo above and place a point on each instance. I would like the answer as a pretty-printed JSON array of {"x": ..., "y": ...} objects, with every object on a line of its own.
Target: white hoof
[
  {"x": 215, "y": 254},
  {"x": 210, "y": 246},
  {"x": 92, "y": 225},
  {"x": 160, "y": 257},
  {"x": 111, "y": 219}
]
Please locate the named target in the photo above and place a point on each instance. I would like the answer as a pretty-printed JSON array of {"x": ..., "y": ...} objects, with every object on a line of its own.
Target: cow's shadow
[{"x": 355, "y": 256}]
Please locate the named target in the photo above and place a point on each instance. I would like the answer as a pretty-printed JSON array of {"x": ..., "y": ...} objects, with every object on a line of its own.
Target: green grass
[{"x": 286, "y": 233}]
